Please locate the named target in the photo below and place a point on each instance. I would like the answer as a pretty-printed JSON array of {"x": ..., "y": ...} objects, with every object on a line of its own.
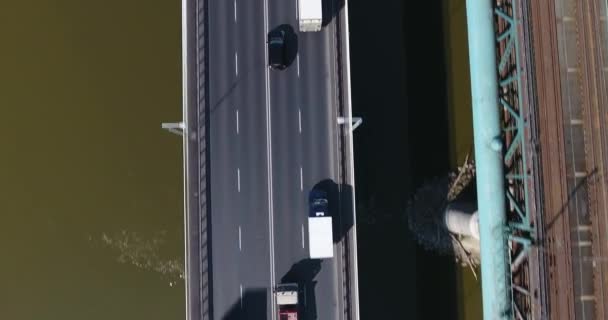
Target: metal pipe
[{"x": 488, "y": 159}]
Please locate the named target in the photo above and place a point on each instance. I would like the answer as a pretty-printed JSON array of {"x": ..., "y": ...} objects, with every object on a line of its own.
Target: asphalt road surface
[{"x": 273, "y": 137}]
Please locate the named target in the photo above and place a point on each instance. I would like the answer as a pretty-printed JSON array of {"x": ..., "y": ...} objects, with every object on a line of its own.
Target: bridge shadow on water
[{"x": 399, "y": 88}]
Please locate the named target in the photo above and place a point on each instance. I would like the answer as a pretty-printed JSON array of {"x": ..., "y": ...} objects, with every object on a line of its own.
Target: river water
[
  {"x": 410, "y": 83},
  {"x": 91, "y": 205},
  {"x": 91, "y": 192},
  {"x": 461, "y": 132}
]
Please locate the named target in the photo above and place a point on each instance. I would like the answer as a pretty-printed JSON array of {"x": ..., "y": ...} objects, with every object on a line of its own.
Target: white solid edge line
[
  {"x": 185, "y": 92},
  {"x": 355, "y": 266},
  {"x": 269, "y": 166}
]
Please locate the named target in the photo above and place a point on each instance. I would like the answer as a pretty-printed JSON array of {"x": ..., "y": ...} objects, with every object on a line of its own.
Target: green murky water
[
  {"x": 461, "y": 132},
  {"x": 91, "y": 187}
]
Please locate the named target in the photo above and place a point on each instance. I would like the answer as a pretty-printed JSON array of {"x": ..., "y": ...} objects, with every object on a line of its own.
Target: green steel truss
[{"x": 520, "y": 228}]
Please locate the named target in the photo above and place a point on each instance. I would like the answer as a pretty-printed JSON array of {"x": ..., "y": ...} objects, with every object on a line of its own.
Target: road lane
[
  {"x": 304, "y": 102},
  {"x": 318, "y": 83},
  {"x": 223, "y": 148},
  {"x": 286, "y": 152},
  {"x": 254, "y": 262}
]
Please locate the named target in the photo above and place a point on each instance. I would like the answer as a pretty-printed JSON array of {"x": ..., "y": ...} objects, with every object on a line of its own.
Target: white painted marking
[
  {"x": 240, "y": 248},
  {"x": 302, "y": 236},
  {"x": 238, "y": 179},
  {"x": 234, "y": 10},
  {"x": 298, "y": 61},
  {"x": 297, "y": 8},
  {"x": 300, "y": 119},
  {"x": 269, "y": 164},
  {"x": 241, "y": 288},
  {"x": 237, "y": 121},
  {"x": 301, "y": 180},
  {"x": 236, "y": 63}
]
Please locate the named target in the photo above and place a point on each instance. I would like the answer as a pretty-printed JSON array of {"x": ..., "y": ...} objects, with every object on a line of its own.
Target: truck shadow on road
[
  {"x": 331, "y": 8},
  {"x": 303, "y": 273},
  {"x": 340, "y": 203},
  {"x": 253, "y": 306}
]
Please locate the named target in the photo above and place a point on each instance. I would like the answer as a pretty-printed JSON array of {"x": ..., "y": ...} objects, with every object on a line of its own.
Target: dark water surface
[
  {"x": 405, "y": 91},
  {"x": 91, "y": 192}
]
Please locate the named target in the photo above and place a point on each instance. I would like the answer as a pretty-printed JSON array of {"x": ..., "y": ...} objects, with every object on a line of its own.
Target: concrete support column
[{"x": 462, "y": 222}]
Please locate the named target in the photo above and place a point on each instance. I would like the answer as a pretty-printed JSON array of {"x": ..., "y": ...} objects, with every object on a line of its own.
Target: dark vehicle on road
[
  {"x": 318, "y": 203},
  {"x": 277, "y": 57}
]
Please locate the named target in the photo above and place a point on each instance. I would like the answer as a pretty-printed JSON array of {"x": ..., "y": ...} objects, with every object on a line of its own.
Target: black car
[
  {"x": 318, "y": 203},
  {"x": 276, "y": 49}
]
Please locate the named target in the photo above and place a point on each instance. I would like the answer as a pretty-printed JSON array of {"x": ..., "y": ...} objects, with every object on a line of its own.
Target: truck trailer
[
  {"x": 320, "y": 235},
  {"x": 310, "y": 15}
]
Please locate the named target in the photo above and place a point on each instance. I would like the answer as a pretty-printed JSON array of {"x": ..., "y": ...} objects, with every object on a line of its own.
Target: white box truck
[
  {"x": 320, "y": 235},
  {"x": 310, "y": 15}
]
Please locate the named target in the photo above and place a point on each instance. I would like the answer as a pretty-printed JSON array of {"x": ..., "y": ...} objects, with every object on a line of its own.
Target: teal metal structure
[
  {"x": 515, "y": 107},
  {"x": 495, "y": 274},
  {"x": 504, "y": 171}
]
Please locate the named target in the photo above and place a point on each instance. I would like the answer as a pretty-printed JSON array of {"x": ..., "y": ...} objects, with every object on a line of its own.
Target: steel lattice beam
[{"x": 521, "y": 229}]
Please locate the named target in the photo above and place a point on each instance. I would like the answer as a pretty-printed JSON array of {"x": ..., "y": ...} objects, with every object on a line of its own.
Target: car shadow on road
[
  {"x": 340, "y": 207},
  {"x": 303, "y": 273},
  {"x": 253, "y": 306}
]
